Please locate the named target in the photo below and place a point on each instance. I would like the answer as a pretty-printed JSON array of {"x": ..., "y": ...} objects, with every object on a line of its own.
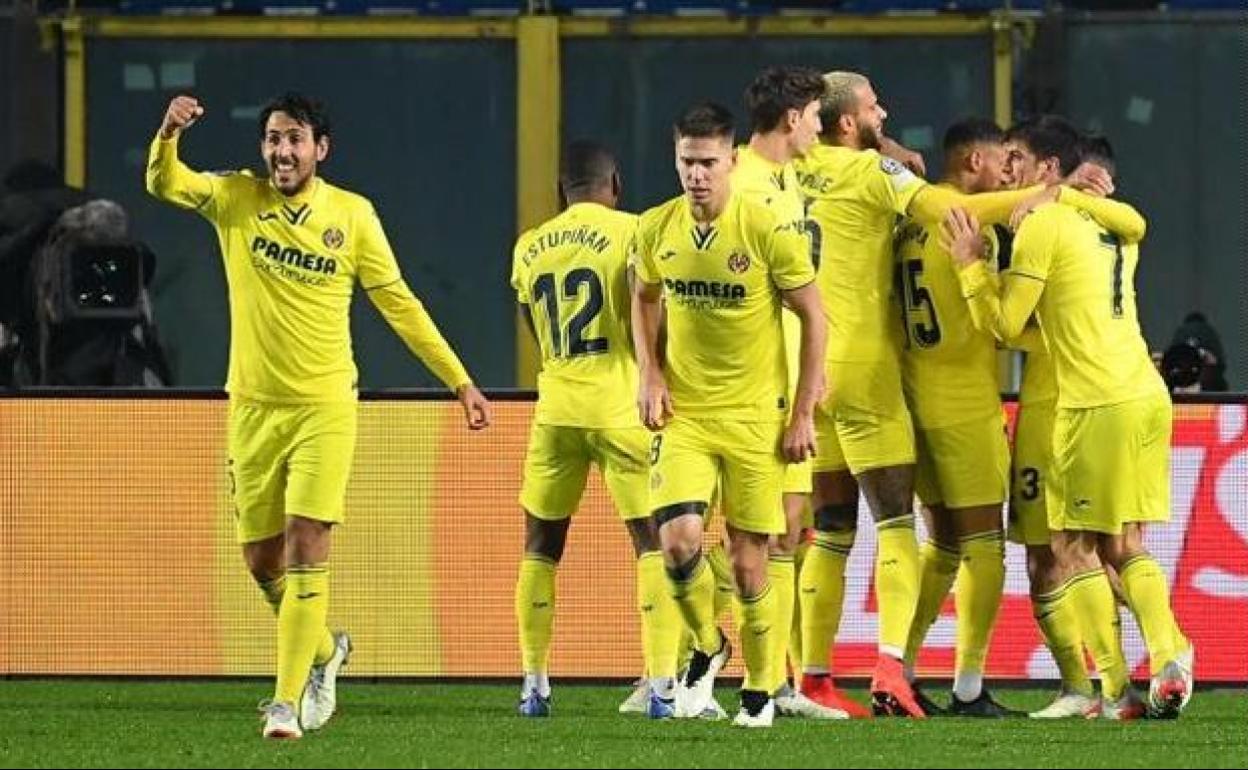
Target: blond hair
[{"x": 840, "y": 97}]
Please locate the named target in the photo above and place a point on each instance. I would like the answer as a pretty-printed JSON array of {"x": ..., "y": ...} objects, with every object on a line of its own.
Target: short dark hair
[
  {"x": 970, "y": 131},
  {"x": 586, "y": 165},
  {"x": 705, "y": 119},
  {"x": 1097, "y": 149},
  {"x": 777, "y": 90},
  {"x": 309, "y": 112},
  {"x": 1049, "y": 136}
]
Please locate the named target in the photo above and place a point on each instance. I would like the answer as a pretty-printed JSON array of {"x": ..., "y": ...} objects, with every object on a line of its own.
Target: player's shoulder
[
  {"x": 347, "y": 200},
  {"x": 1045, "y": 217},
  {"x": 658, "y": 217},
  {"x": 613, "y": 219}
]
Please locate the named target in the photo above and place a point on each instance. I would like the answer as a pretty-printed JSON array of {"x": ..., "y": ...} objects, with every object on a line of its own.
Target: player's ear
[
  {"x": 322, "y": 148},
  {"x": 616, "y": 184},
  {"x": 845, "y": 124},
  {"x": 792, "y": 119}
]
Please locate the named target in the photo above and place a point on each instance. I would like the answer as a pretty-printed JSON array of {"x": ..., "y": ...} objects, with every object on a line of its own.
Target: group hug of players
[{"x": 810, "y": 322}]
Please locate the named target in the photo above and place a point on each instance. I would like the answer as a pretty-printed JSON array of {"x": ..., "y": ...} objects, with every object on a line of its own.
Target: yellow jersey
[
  {"x": 291, "y": 264},
  {"x": 775, "y": 184},
  {"x": 1039, "y": 380},
  {"x": 855, "y": 198},
  {"x": 1087, "y": 308},
  {"x": 949, "y": 368},
  {"x": 572, "y": 273},
  {"x": 725, "y": 354}
]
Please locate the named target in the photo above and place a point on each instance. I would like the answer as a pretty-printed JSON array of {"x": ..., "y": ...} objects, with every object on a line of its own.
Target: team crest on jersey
[
  {"x": 738, "y": 262},
  {"x": 891, "y": 167},
  {"x": 332, "y": 238}
]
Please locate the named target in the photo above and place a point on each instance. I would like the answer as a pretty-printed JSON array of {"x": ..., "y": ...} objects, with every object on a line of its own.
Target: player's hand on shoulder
[
  {"x": 181, "y": 114},
  {"x": 1092, "y": 179},
  {"x": 959, "y": 234},
  {"x": 477, "y": 412}
]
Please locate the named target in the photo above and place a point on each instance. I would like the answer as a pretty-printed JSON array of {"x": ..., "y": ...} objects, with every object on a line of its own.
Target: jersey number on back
[
  {"x": 1112, "y": 241},
  {"x": 574, "y": 282},
  {"x": 926, "y": 331}
]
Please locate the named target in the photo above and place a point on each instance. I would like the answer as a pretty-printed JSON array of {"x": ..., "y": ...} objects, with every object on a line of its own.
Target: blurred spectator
[
  {"x": 1181, "y": 367},
  {"x": 1198, "y": 333}
]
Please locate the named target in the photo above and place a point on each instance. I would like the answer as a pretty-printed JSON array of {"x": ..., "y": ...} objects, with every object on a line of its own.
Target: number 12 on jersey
[{"x": 571, "y": 342}]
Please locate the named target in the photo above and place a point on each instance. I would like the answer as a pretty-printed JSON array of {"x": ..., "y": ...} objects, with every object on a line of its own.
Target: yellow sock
[
  {"x": 821, "y": 595},
  {"x": 273, "y": 591},
  {"x": 300, "y": 624},
  {"x": 782, "y": 576},
  {"x": 725, "y": 585},
  {"x": 896, "y": 582},
  {"x": 980, "y": 584},
  {"x": 939, "y": 566},
  {"x": 1093, "y": 601},
  {"x": 795, "y": 629},
  {"x": 535, "y": 611},
  {"x": 1055, "y": 614},
  {"x": 1148, "y": 595},
  {"x": 757, "y": 624},
  {"x": 660, "y": 619},
  {"x": 693, "y": 588}
]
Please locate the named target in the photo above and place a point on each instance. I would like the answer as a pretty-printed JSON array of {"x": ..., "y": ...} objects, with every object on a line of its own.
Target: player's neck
[
  {"x": 705, "y": 214},
  {"x": 772, "y": 146},
  {"x": 961, "y": 181},
  {"x": 304, "y": 191}
]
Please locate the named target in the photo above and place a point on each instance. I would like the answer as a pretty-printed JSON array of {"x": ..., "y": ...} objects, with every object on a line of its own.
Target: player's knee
[
  {"x": 1044, "y": 572},
  {"x": 837, "y": 517},
  {"x": 680, "y": 562},
  {"x": 750, "y": 576},
  {"x": 545, "y": 538},
  {"x": 1117, "y": 550},
  {"x": 645, "y": 535}
]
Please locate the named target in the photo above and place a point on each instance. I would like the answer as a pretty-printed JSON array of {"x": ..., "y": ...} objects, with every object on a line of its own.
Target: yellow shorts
[
  {"x": 288, "y": 460},
  {"x": 797, "y": 478},
  {"x": 556, "y": 467},
  {"x": 964, "y": 465},
  {"x": 691, "y": 457},
  {"x": 1111, "y": 466},
  {"x": 1032, "y": 469},
  {"x": 863, "y": 424}
]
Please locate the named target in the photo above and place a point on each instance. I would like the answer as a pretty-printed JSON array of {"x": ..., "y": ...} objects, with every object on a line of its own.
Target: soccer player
[
  {"x": 949, "y": 373},
  {"x": 1112, "y": 429},
  {"x": 571, "y": 279},
  {"x": 783, "y": 105},
  {"x": 864, "y": 428},
  {"x": 294, "y": 245},
  {"x": 725, "y": 264}
]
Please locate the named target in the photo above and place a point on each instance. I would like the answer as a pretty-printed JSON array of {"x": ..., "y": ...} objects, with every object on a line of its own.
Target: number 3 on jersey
[{"x": 571, "y": 342}]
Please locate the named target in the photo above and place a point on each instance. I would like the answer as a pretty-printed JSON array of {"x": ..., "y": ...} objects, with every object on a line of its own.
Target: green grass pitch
[{"x": 98, "y": 723}]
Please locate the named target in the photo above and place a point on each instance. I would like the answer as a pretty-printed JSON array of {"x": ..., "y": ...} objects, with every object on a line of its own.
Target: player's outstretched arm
[
  {"x": 932, "y": 204},
  {"x": 409, "y": 319},
  {"x": 167, "y": 177}
]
